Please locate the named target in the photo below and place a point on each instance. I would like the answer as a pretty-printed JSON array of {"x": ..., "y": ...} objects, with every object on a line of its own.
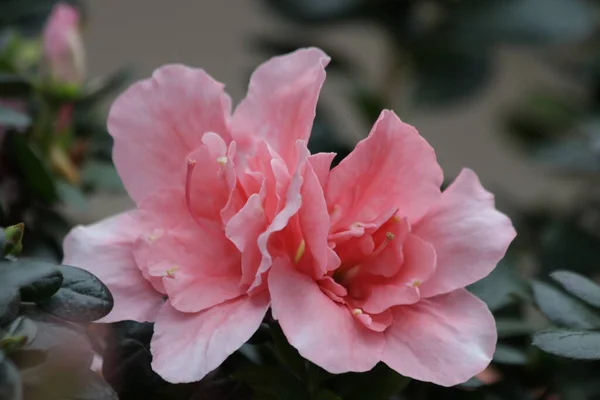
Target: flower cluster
[{"x": 362, "y": 263}]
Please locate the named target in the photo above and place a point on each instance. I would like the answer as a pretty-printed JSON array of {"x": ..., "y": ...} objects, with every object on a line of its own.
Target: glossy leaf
[
  {"x": 71, "y": 196},
  {"x": 34, "y": 171},
  {"x": 582, "y": 345},
  {"x": 562, "y": 309},
  {"x": 81, "y": 298},
  {"x": 512, "y": 327},
  {"x": 10, "y": 381},
  {"x": 272, "y": 381},
  {"x": 286, "y": 353},
  {"x": 579, "y": 286},
  {"x": 35, "y": 279},
  {"x": 13, "y": 119},
  {"x": 10, "y": 299}
]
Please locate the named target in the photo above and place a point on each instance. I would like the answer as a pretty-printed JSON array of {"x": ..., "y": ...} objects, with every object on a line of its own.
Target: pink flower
[
  {"x": 399, "y": 254},
  {"x": 364, "y": 263},
  {"x": 211, "y": 190},
  {"x": 62, "y": 46}
]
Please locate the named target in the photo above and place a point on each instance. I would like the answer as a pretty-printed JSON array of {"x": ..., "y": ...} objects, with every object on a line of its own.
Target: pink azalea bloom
[
  {"x": 364, "y": 263},
  {"x": 211, "y": 189},
  {"x": 382, "y": 260},
  {"x": 62, "y": 45}
]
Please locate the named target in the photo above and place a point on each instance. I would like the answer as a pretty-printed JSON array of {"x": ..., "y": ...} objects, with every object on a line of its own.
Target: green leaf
[
  {"x": 509, "y": 355},
  {"x": 512, "y": 327},
  {"x": 286, "y": 353},
  {"x": 10, "y": 299},
  {"x": 563, "y": 309},
  {"x": 13, "y": 119},
  {"x": 34, "y": 170},
  {"x": 35, "y": 279},
  {"x": 325, "y": 394},
  {"x": 101, "y": 175},
  {"x": 369, "y": 103},
  {"x": 379, "y": 383},
  {"x": 582, "y": 345},
  {"x": 273, "y": 381},
  {"x": 446, "y": 75},
  {"x": 501, "y": 287},
  {"x": 10, "y": 380},
  {"x": 523, "y": 21},
  {"x": 71, "y": 196},
  {"x": 81, "y": 298},
  {"x": 579, "y": 286},
  {"x": 14, "y": 86}
]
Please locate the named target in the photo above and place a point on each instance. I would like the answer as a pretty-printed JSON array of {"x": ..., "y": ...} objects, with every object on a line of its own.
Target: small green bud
[{"x": 14, "y": 239}]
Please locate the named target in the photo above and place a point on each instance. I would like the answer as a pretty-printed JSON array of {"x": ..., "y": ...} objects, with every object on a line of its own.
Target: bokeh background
[{"x": 224, "y": 37}]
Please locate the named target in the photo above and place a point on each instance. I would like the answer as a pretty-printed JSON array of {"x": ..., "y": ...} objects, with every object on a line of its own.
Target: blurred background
[
  {"x": 466, "y": 125},
  {"x": 508, "y": 88}
]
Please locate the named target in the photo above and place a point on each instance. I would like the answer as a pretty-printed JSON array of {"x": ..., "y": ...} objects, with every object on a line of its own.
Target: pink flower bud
[{"x": 62, "y": 46}]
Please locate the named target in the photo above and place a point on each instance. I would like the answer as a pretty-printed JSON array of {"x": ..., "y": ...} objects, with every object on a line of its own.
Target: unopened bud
[{"x": 14, "y": 239}]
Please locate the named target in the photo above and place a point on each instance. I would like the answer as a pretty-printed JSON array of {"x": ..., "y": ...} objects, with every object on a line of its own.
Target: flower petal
[
  {"x": 281, "y": 102},
  {"x": 322, "y": 330},
  {"x": 469, "y": 235},
  {"x": 446, "y": 339},
  {"x": 106, "y": 250},
  {"x": 157, "y": 122},
  {"x": 392, "y": 169},
  {"x": 321, "y": 164},
  {"x": 185, "y": 347}
]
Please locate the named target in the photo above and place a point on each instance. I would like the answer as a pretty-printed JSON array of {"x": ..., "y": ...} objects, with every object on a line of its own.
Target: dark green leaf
[
  {"x": 562, "y": 309},
  {"x": 14, "y": 86},
  {"x": 71, "y": 196},
  {"x": 35, "y": 279},
  {"x": 81, "y": 298},
  {"x": 10, "y": 381},
  {"x": 325, "y": 394},
  {"x": 101, "y": 175},
  {"x": 287, "y": 354},
  {"x": 35, "y": 172},
  {"x": 500, "y": 288},
  {"x": 509, "y": 355},
  {"x": 272, "y": 381},
  {"x": 13, "y": 119},
  {"x": 377, "y": 384},
  {"x": 509, "y": 327},
  {"x": 523, "y": 21},
  {"x": 583, "y": 345},
  {"x": 445, "y": 75},
  {"x": 579, "y": 286},
  {"x": 10, "y": 299}
]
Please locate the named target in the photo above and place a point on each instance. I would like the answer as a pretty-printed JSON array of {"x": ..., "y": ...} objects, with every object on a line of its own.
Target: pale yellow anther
[
  {"x": 222, "y": 160},
  {"x": 396, "y": 218},
  {"x": 416, "y": 283},
  {"x": 170, "y": 273},
  {"x": 300, "y": 251},
  {"x": 358, "y": 225},
  {"x": 357, "y": 311},
  {"x": 389, "y": 235}
]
